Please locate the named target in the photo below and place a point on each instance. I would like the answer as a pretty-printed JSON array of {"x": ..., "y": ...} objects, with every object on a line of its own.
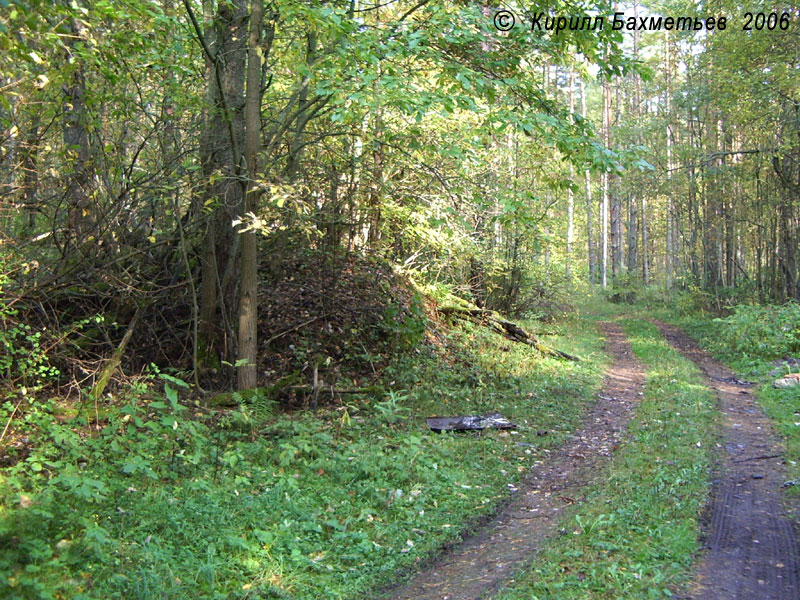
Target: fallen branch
[
  {"x": 294, "y": 328},
  {"x": 507, "y": 329},
  {"x": 286, "y": 384},
  {"x": 764, "y": 457},
  {"x": 371, "y": 389},
  {"x": 115, "y": 359}
]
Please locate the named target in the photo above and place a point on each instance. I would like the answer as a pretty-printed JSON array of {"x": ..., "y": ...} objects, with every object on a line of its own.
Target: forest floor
[
  {"x": 616, "y": 483},
  {"x": 160, "y": 498}
]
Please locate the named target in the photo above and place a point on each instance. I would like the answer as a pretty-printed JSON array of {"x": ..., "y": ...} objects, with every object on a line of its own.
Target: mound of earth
[{"x": 339, "y": 315}]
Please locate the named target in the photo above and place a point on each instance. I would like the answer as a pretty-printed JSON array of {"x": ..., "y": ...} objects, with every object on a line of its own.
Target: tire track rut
[{"x": 752, "y": 546}]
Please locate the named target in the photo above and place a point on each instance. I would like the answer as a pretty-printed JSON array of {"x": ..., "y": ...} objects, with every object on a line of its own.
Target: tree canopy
[{"x": 175, "y": 154}]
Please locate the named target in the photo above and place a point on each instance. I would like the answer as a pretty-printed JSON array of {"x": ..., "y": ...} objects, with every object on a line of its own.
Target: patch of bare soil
[
  {"x": 752, "y": 549},
  {"x": 496, "y": 551}
]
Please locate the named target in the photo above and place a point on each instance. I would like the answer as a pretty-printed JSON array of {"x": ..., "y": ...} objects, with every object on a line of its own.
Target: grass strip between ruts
[{"x": 636, "y": 535}]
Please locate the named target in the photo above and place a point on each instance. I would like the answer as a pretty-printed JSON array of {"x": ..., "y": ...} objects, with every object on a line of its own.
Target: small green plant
[
  {"x": 21, "y": 353},
  {"x": 625, "y": 289},
  {"x": 405, "y": 326},
  {"x": 391, "y": 410}
]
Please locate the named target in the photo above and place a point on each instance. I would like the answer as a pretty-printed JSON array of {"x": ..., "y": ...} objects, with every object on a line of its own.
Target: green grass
[
  {"x": 637, "y": 533},
  {"x": 167, "y": 502}
]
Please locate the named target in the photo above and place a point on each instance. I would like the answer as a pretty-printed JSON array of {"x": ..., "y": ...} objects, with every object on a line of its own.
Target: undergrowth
[
  {"x": 637, "y": 533},
  {"x": 151, "y": 496}
]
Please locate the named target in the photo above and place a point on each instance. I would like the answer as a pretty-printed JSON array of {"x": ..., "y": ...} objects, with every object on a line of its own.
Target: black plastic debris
[{"x": 470, "y": 423}]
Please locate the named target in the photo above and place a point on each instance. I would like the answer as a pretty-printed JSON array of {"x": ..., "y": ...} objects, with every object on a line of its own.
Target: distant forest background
[{"x": 191, "y": 179}]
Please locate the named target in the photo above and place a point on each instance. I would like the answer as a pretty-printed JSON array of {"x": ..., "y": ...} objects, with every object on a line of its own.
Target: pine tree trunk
[
  {"x": 604, "y": 211},
  {"x": 669, "y": 246},
  {"x": 570, "y": 196},
  {"x": 645, "y": 242},
  {"x": 632, "y": 202},
  {"x": 617, "y": 247},
  {"x": 590, "y": 249}
]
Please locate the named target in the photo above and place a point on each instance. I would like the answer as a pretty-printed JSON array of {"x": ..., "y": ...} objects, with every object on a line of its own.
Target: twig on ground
[
  {"x": 10, "y": 418},
  {"x": 764, "y": 457}
]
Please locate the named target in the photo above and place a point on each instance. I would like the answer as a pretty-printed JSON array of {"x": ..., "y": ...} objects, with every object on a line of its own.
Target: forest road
[
  {"x": 752, "y": 550},
  {"x": 479, "y": 565}
]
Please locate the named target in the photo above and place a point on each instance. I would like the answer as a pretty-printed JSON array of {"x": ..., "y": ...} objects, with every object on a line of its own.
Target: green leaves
[{"x": 82, "y": 486}]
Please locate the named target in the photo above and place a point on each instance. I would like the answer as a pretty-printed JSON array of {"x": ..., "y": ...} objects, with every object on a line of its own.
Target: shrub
[
  {"x": 767, "y": 332},
  {"x": 625, "y": 289},
  {"x": 21, "y": 354}
]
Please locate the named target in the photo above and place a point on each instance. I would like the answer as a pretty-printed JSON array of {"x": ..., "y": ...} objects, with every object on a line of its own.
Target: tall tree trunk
[
  {"x": 632, "y": 233},
  {"x": 694, "y": 208},
  {"x": 375, "y": 199},
  {"x": 590, "y": 249},
  {"x": 29, "y": 192},
  {"x": 789, "y": 287},
  {"x": 615, "y": 202},
  {"x": 760, "y": 228},
  {"x": 730, "y": 245},
  {"x": 788, "y": 175},
  {"x": 223, "y": 173},
  {"x": 80, "y": 179},
  {"x": 645, "y": 242},
  {"x": 296, "y": 145},
  {"x": 570, "y": 196},
  {"x": 720, "y": 209},
  {"x": 712, "y": 220},
  {"x": 248, "y": 292},
  {"x": 604, "y": 211},
  {"x": 632, "y": 201},
  {"x": 775, "y": 289},
  {"x": 669, "y": 246}
]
